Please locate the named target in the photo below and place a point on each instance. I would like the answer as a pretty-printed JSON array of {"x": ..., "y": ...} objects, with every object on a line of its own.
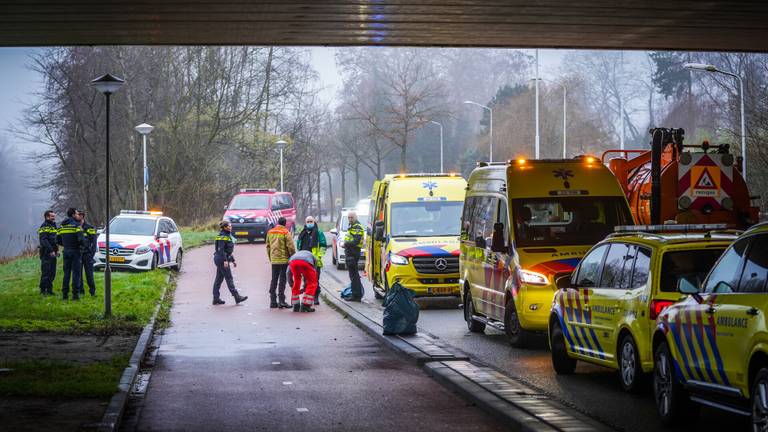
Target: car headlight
[
  {"x": 260, "y": 219},
  {"x": 533, "y": 278},
  {"x": 142, "y": 250},
  {"x": 398, "y": 259}
]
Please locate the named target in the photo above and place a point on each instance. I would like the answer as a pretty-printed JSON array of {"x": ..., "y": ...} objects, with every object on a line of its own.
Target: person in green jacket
[{"x": 312, "y": 239}]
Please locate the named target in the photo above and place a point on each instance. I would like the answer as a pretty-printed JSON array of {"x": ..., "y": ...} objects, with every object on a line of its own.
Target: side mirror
[
  {"x": 497, "y": 241},
  {"x": 378, "y": 231},
  {"x": 162, "y": 235},
  {"x": 563, "y": 282},
  {"x": 226, "y": 207},
  {"x": 334, "y": 231},
  {"x": 688, "y": 287}
]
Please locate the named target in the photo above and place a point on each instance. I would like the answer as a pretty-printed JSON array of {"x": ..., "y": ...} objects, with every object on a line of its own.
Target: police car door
[
  {"x": 736, "y": 314},
  {"x": 575, "y": 301},
  {"x": 175, "y": 237}
]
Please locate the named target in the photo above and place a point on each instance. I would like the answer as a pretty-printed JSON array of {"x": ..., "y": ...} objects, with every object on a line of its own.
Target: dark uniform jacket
[
  {"x": 224, "y": 246},
  {"x": 47, "y": 236},
  {"x": 70, "y": 235},
  {"x": 90, "y": 236},
  {"x": 353, "y": 240}
]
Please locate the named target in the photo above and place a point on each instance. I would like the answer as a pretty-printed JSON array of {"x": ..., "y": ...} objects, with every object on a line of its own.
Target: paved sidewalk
[{"x": 249, "y": 367}]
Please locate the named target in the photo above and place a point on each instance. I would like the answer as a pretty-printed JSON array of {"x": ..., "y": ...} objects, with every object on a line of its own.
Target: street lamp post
[
  {"x": 565, "y": 113},
  {"x": 713, "y": 69},
  {"x": 280, "y": 146},
  {"x": 441, "y": 143},
  {"x": 144, "y": 129},
  {"x": 536, "y": 85},
  {"x": 490, "y": 128},
  {"x": 107, "y": 84}
]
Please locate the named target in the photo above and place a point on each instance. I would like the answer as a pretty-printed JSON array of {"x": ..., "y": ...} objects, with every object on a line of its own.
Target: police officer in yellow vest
[
  {"x": 353, "y": 246},
  {"x": 312, "y": 239},
  {"x": 88, "y": 251},
  {"x": 70, "y": 235},
  {"x": 49, "y": 250},
  {"x": 223, "y": 247}
]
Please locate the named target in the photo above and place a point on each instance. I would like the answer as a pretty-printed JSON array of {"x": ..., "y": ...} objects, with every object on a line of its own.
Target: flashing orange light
[
  {"x": 452, "y": 174},
  {"x": 156, "y": 212},
  {"x": 590, "y": 160},
  {"x": 521, "y": 161}
]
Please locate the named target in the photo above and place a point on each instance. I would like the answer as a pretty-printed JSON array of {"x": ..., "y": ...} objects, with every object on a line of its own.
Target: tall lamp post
[
  {"x": 565, "y": 113},
  {"x": 713, "y": 69},
  {"x": 107, "y": 84},
  {"x": 441, "y": 143},
  {"x": 490, "y": 127},
  {"x": 281, "y": 146},
  {"x": 536, "y": 85},
  {"x": 144, "y": 129}
]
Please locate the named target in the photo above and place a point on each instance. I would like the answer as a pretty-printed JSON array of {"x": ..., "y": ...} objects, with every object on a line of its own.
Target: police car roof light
[
  {"x": 670, "y": 228},
  {"x": 257, "y": 190}
]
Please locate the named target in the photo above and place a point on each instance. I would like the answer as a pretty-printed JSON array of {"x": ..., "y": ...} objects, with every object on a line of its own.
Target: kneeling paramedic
[
  {"x": 302, "y": 265},
  {"x": 222, "y": 257}
]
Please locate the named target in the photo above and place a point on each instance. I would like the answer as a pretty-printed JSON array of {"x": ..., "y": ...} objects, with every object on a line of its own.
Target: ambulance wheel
[
  {"x": 473, "y": 325},
  {"x": 672, "y": 403},
  {"x": 759, "y": 400},
  {"x": 561, "y": 362},
  {"x": 516, "y": 335},
  {"x": 630, "y": 372}
]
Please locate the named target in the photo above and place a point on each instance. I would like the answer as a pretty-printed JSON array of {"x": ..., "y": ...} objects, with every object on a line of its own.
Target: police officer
[
  {"x": 49, "y": 250},
  {"x": 70, "y": 235},
  {"x": 87, "y": 253},
  {"x": 222, "y": 257},
  {"x": 353, "y": 246}
]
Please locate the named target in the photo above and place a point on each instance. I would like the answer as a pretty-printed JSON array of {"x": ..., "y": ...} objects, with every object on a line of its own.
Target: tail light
[{"x": 658, "y": 306}]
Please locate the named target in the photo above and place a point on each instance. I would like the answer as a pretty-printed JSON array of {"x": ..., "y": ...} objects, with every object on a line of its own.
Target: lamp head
[
  {"x": 107, "y": 84},
  {"x": 144, "y": 128},
  {"x": 281, "y": 144},
  {"x": 700, "y": 66}
]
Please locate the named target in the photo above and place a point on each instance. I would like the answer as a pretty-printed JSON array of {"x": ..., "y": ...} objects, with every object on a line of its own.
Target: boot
[
  {"x": 284, "y": 305},
  {"x": 307, "y": 308},
  {"x": 239, "y": 299},
  {"x": 317, "y": 302},
  {"x": 218, "y": 301},
  {"x": 296, "y": 307},
  {"x": 274, "y": 305}
]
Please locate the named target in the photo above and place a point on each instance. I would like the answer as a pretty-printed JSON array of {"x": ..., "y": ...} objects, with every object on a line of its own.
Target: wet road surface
[
  {"x": 593, "y": 390},
  {"x": 248, "y": 367}
]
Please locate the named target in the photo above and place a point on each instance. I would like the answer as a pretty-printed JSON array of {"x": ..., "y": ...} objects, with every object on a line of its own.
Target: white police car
[{"x": 141, "y": 240}]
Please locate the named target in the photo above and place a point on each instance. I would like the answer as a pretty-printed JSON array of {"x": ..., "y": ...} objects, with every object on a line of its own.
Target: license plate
[
  {"x": 241, "y": 233},
  {"x": 442, "y": 290},
  {"x": 116, "y": 259}
]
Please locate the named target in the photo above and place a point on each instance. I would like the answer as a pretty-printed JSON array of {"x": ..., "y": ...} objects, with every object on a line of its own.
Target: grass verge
[{"x": 62, "y": 379}]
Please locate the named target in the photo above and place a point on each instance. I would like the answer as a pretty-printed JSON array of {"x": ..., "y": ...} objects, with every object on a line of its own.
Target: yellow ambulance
[
  {"x": 415, "y": 223},
  {"x": 525, "y": 223}
]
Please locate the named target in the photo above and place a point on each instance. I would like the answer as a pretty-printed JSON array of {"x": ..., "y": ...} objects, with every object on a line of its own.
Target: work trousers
[
  {"x": 87, "y": 264},
  {"x": 352, "y": 261},
  {"x": 277, "y": 284},
  {"x": 302, "y": 269},
  {"x": 47, "y": 273},
  {"x": 223, "y": 274},
  {"x": 73, "y": 271}
]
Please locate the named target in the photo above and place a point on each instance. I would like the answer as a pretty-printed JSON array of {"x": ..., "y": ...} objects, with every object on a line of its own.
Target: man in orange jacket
[{"x": 280, "y": 247}]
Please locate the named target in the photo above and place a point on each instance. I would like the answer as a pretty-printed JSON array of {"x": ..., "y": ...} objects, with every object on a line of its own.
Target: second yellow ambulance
[{"x": 525, "y": 223}]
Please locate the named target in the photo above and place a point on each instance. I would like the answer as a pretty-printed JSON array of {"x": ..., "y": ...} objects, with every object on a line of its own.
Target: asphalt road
[
  {"x": 248, "y": 367},
  {"x": 592, "y": 390}
]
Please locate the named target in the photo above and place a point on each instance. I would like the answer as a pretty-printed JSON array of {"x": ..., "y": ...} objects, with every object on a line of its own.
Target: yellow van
[
  {"x": 415, "y": 220},
  {"x": 525, "y": 223}
]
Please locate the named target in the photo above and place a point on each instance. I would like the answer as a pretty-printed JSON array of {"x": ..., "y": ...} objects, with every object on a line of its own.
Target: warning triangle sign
[{"x": 705, "y": 181}]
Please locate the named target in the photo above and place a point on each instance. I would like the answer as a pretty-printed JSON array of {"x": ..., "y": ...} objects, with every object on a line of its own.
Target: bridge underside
[{"x": 671, "y": 24}]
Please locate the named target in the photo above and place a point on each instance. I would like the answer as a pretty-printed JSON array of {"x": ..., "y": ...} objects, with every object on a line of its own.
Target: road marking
[
  {"x": 302, "y": 409},
  {"x": 287, "y": 382},
  {"x": 275, "y": 363}
]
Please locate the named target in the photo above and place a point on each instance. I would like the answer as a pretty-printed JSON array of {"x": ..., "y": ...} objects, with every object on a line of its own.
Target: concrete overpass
[{"x": 740, "y": 25}]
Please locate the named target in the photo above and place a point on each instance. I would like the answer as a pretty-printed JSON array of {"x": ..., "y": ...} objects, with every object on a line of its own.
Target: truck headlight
[
  {"x": 398, "y": 259},
  {"x": 533, "y": 278},
  {"x": 260, "y": 219},
  {"x": 142, "y": 250}
]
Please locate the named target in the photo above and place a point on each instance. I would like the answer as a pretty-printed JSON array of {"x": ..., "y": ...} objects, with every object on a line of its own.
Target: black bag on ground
[{"x": 400, "y": 311}]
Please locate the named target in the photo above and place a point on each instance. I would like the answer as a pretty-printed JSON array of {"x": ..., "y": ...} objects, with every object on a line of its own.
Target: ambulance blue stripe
[
  {"x": 566, "y": 333},
  {"x": 679, "y": 345},
  {"x": 597, "y": 343},
  {"x": 589, "y": 350},
  {"x": 694, "y": 357},
  {"x": 716, "y": 353},
  {"x": 704, "y": 354}
]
